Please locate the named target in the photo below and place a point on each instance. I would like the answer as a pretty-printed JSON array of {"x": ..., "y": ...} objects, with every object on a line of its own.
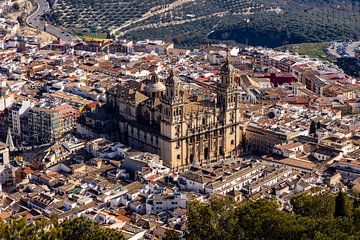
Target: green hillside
[{"x": 186, "y": 22}]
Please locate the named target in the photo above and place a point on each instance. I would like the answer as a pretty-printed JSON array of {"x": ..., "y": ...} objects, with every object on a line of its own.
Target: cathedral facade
[{"x": 185, "y": 129}]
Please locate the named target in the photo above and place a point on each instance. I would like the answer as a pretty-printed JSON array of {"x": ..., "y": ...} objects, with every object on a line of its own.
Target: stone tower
[
  {"x": 172, "y": 117},
  {"x": 9, "y": 141},
  {"x": 228, "y": 89},
  {"x": 228, "y": 101}
]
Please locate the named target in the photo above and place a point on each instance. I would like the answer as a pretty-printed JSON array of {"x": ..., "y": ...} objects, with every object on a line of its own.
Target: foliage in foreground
[
  {"x": 315, "y": 217},
  {"x": 79, "y": 228}
]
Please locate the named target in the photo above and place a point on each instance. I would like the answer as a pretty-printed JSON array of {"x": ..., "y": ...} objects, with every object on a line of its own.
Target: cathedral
[{"x": 185, "y": 129}]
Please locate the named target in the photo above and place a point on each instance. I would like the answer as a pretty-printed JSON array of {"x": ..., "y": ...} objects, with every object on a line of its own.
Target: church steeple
[
  {"x": 173, "y": 101},
  {"x": 227, "y": 73},
  {"x": 9, "y": 141},
  {"x": 172, "y": 80},
  {"x": 173, "y": 95},
  {"x": 228, "y": 90}
]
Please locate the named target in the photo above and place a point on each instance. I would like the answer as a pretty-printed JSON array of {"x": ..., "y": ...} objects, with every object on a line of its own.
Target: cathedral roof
[{"x": 138, "y": 97}]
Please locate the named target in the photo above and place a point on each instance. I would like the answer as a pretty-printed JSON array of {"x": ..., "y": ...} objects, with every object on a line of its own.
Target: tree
[
  {"x": 16, "y": 7},
  {"x": 343, "y": 206},
  {"x": 172, "y": 235},
  {"x": 94, "y": 28},
  {"x": 212, "y": 221},
  {"x": 312, "y": 127},
  {"x": 108, "y": 34},
  {"x": 79, "y": 228},
  {"x": 356, "y": 218},
  {"x": 318, "y": 206},
  {"x": 263, "y": 220},
  {"x": 318, "y": 125},
  {"x": 20, "y": 19}
]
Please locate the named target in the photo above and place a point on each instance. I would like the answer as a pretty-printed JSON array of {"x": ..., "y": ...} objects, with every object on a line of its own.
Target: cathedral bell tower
[
  {"x": 173, "y": 101},
  {"x": 228, "y": 101},
  {"x": 228, "y": 91},
  {"x": 172, "y": 123}
]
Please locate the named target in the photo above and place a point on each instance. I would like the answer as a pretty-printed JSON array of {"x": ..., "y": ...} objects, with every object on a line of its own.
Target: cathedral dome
[{"x": 155, "y": 85}]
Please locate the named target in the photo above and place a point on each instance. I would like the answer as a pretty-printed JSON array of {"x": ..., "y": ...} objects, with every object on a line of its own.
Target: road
[{"x": 34, "y": 21}]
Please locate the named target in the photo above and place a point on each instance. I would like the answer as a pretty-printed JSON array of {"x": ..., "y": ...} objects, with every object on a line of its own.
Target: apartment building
[
  {"x": 43, "y": 124},
  {"x": 14, "y": 116},
  {"x": 262, "y": 139}
]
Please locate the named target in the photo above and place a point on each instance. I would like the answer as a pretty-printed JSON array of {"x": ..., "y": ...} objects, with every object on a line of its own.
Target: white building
[
  {"x": 15, "y": 114},
  {"x": 168, "y": 202},
  {"x": 7, "y": 173}
]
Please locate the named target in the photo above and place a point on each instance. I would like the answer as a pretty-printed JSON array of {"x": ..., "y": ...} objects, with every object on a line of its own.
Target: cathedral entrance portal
[{"x": 206, "y": 153}]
